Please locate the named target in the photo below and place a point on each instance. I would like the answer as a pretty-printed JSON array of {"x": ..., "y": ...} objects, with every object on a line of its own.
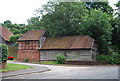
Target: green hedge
[{"x": 3, "y": 53}]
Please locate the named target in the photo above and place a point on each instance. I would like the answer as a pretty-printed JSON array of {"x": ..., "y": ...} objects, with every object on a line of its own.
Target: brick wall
[
  {"x": 28, "y": 45},
  {"x": 32, "y": 55},
  {"x": 28, "y": 50}
]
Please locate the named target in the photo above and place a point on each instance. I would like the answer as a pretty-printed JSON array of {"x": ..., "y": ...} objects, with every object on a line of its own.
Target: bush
[
  {"x": 3, "y": 53},
  {"x": 115, "y": 58},
  {"x": 60, "y": 59},
  {"x": 26, "y": 60},
  {"x": 103, "y": 57}
]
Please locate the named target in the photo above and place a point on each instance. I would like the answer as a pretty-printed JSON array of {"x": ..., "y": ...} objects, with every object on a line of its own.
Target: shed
[
  {"x": 74, "y": 48},
  {"x": 5, "y": 35}
]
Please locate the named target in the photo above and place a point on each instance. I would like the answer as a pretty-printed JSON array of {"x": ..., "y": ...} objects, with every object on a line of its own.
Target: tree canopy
[
  {"x": 97, "y": 25},
  {"x": 62, "y": 19}
]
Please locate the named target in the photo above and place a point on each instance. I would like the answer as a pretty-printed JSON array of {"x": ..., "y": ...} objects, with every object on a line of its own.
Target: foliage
[
  {"x": 96, "y": 24},
  {"x": 113, "y": 58},
  {"x": 3, "y": 53},
  {"x": 11, "y": 67},
  {"x": 103, "y": 6},
  {"x": 116, "y": 25},
  {"x": 15, "y": 44},
  {"x": 60, "y": 59},
  {"x": 26, "y": 60},
  {"x": 62, "y": 19},
  {"x": 14, "y": 38},
  {"x": 103, "y": 57}
]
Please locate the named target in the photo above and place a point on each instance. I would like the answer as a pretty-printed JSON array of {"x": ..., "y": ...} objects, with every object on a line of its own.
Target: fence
[{"x": 13, "y": 51}]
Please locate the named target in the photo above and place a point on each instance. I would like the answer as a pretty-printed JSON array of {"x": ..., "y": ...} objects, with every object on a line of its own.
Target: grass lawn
[
  {"x": 46, "y": 62},
  {"x": 11, "y": 67}
]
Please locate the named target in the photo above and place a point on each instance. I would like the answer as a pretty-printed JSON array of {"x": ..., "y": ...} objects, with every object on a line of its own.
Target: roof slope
[
  {"x": 32, "y": 35},
  {"x": 69, "y": 42},
  {"x": 5, "y": 33}
]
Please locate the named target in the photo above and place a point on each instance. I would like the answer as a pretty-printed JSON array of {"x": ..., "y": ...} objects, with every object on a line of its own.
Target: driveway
[{"x": 71, "y": 72}]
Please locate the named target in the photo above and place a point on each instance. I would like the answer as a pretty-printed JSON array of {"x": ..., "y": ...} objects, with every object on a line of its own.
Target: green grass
[
  {"x": 11, "y": 67},
  {"x": 48, "y": 62}
]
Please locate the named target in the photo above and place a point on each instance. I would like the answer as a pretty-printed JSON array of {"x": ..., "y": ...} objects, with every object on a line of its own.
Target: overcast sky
[{"x": 18, "y": 11}]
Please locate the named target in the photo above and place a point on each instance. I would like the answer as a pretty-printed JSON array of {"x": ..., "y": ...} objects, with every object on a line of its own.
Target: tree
[
  {"x": 62, "y": 19},
  {"x": 33, "y": 20},
  {"x": 14, "y": 38},
  {"x": 103, "y": 6},
  {"x": 116, "y": 26},
  {"x": 97, "y": 25},
  {"x": 34, "y": 23}
]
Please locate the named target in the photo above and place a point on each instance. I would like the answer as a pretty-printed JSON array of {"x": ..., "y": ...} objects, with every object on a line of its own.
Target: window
[{"x": 26, "y": 42}]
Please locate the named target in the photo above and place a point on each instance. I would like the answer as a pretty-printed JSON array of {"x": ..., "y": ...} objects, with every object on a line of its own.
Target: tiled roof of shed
[
  {"x": 68, "y": 42},
  {"x": 32, "y": 35},
  {"x": 5, "y": 33}
]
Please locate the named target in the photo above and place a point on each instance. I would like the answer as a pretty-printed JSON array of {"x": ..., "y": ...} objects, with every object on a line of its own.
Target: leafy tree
[
  {"x": 62, "y": 19},
  {"x": 33, "y": 23},
  {"x": 103, "y": 6},
  {"x": 14, "y": 38},
  {"x": 97, "y": 25},
  {"x": 33, "y": 20},
  {"x": 116, "y": 25}
]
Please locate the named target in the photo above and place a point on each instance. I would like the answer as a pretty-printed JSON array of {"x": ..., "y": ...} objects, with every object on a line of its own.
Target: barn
[
  {"x": 33, "y": 45},
  {"x": 5, "y": 35}
]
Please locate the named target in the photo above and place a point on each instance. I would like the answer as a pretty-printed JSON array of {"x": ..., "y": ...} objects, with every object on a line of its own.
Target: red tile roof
[
  {"x": 32, "y": 35},
  {"x": 69, "y": 42},
  {"x": 5, "y": 33}
]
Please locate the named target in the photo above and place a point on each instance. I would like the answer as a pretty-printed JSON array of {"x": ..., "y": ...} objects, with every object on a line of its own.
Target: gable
[
  {"x": 5, "y": 33},
  {"x": 32, "y": 35}
]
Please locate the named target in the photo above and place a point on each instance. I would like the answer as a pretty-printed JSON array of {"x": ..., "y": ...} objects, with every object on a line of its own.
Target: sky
[{"x": 18, "y": 11}]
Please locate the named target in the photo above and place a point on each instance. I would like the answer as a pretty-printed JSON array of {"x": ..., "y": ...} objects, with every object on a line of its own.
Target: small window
[{"x": 26, "y": 42}]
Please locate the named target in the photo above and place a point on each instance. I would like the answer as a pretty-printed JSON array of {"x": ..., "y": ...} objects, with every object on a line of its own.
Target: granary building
[
  {"x": 34, "y": 46},
  {"x": 5, "y": 35}
]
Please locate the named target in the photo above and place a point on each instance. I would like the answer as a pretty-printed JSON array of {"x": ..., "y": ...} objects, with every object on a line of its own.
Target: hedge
[{"x": 3, "y": 53}]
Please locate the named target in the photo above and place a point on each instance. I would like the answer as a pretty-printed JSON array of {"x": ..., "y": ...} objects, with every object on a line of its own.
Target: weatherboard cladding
[
  {"x": 68, "y": 42},
  {"x": 32, "y": 35},
  {"x": 5, "y": 33}
]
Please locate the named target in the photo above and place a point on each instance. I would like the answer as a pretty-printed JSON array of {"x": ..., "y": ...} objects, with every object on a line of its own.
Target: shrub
[
  {"x": 60, "y": 59},
  {"x": 3, "y": 53},
  {"x": 115, "y": 58},
  {"x": 103, "y": 57},
  {"x": 26, "y": 60}
]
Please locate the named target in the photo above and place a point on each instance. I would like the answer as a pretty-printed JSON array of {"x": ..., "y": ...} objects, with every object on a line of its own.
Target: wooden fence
[{"x": 13, "y": 51}]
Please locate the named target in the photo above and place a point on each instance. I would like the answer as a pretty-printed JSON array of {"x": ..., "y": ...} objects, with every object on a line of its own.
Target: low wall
[{"x": 86, "y": 62}]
